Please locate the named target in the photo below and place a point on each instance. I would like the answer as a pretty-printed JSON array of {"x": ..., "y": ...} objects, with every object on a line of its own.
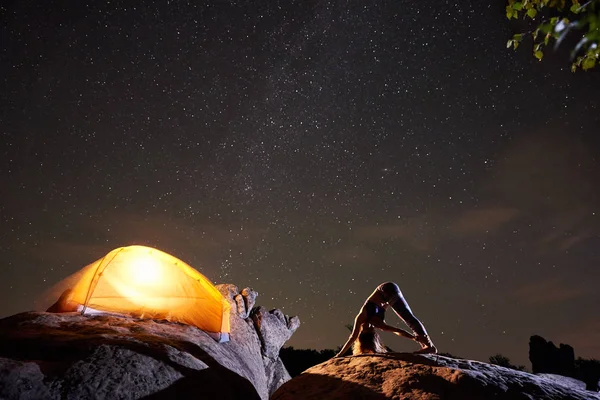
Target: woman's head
[{"x": 368, "y": 342}]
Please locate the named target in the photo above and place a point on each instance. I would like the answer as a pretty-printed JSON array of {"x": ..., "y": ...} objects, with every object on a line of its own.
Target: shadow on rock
[
  {"x": 214, "y": 382},
  {"x": 57, "y": 356},
  {"x": 311, "y": 386}
]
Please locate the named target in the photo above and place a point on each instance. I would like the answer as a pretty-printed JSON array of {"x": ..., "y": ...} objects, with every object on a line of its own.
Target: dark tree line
[
  {"x": 298, "y": 360},
  {"x": 503, "y": 361}
]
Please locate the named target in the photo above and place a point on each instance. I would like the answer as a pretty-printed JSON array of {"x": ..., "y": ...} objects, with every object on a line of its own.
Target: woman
[{"x": 372, "y": 315}]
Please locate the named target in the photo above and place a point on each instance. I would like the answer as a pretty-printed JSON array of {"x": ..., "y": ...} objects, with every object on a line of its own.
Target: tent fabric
[{"x": 145, "y": 282}]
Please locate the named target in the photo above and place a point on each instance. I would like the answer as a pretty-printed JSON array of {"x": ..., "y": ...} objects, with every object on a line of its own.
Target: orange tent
[{"x": 147, "y": 283}]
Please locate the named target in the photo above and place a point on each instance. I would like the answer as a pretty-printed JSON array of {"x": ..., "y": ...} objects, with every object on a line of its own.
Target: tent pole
[{"x": 94, "y": 281}]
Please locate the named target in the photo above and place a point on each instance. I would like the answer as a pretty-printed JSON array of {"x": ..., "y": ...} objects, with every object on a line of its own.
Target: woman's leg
[
  {"x": 401, "y": 308},
  {"x": 394, "y": 296},
  {"x": 403, "y": 311}
]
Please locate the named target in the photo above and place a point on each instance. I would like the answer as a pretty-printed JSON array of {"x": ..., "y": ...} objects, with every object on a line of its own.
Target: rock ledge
[
  {"x": 70, "y": 356},
  {"x": 423, "y": 377}
]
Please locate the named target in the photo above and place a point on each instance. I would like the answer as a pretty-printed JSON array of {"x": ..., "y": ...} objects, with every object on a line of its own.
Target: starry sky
[{"x": 310, "y": 150}]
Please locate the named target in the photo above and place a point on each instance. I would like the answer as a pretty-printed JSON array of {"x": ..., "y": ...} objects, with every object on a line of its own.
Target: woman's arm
[
  {"x": 360, "y": 318},
  {"x": 385, "y": 327}
]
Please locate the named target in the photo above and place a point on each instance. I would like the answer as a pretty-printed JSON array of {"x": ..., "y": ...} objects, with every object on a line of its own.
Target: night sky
[{"x": 310, "y": 150}]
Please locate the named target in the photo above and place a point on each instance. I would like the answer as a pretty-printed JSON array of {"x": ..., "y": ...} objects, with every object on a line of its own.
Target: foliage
[
  {"x": 588, "y": 370},
  {"x": 555, "y": 20},
  {"x": 298, "y": 360},
  {"x": 503, "y": 361}
]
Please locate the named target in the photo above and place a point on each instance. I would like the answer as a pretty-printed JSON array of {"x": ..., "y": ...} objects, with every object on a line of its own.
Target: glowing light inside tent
[
  {"x": 141, "y": 279},
  {"x": 145, "y": 270}
]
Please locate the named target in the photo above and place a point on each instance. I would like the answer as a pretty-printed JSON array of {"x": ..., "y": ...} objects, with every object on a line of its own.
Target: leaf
[
  {"x": 588, "y": 62},
  {"x": 545, "y": 28},
  {"x": 538, "y": 54},
  {"x": 509, "y": 44},
  {"x": 531, "y": 13},
  {"x": 509, "y": 12},
  {"x": 515, "y": 44},
  {"x": 575, "y": 8},
  {"x": 518, "y": 6},
  {"x": 518, "y": 37}
]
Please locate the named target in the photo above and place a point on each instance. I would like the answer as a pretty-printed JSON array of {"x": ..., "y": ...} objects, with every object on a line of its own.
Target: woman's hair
[{"x": 368, "y": 342}]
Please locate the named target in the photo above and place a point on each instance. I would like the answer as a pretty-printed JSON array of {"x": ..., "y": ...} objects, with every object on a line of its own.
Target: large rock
[
  {"x": 545, "y": 357},
  {"x": 274, "y": 329},
  {"x": 70, "y": 356},
  {"x": 423, "y": 377}
]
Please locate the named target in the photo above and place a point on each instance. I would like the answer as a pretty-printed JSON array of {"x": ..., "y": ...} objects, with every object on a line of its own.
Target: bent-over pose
[{"x": 372, "y": 315}]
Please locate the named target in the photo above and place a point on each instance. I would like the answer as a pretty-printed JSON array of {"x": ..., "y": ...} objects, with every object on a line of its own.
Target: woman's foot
[
  {"x": 427, "y": 350},
  {"x": 427, "y": 346}
]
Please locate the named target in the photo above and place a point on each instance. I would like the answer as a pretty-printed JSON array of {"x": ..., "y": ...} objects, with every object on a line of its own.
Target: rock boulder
[
  {"x": 423, "y": 377},
  {"x": 71, "y": 356}
]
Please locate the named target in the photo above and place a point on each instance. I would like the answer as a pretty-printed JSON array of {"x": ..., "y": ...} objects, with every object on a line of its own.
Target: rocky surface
[
  {"x": 423, "y": 377},
  {"x": 565, "y": 381},
  {"x": 70, "y": 356}
]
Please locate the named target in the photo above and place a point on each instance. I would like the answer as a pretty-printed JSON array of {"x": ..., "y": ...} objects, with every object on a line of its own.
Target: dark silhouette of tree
[
  {"x": 297, "y": 361},
  {"x": 503, "y": 361},
  {"x": 588, "y": 371}
]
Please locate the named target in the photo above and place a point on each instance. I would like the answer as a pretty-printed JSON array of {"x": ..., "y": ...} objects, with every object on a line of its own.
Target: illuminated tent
[{"x": 144, "y": 282}]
